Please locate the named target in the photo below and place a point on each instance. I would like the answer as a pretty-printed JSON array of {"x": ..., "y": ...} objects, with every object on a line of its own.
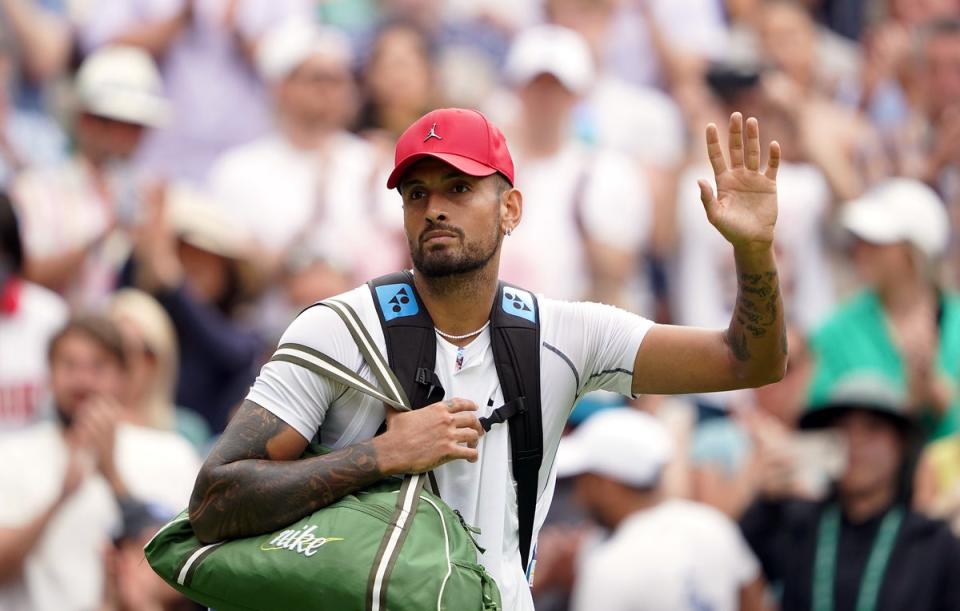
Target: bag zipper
[{"x": 471, "y": 531}]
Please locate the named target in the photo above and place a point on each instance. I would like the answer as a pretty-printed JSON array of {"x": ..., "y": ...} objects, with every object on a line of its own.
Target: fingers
[
  {"x": 706, "y": 196},
  {"x": 468, "y": 421},
  {"x": 735, "y": 140},
  {"x": 752, "y": 160},
  {"x": 715, "y": 151},
  {"x": 469, "y": 436},
  {"x": 457, "y": 405},
  {"x": 773, "y": 160}
]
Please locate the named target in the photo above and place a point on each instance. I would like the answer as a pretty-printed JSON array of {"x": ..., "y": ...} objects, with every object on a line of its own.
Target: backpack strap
[
  {"x": 515, "y": 339},
  {"x": 409, "y": 334}
]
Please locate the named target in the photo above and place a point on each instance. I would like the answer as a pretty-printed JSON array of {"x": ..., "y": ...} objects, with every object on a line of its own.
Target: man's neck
[
  {"x": 862, "y": 506},
  {"x": 542, "y": 141},
  {"x": 461, "y": 303},
  {"x": 901, "y": 297},
  {"x": 635, "y": 504}
]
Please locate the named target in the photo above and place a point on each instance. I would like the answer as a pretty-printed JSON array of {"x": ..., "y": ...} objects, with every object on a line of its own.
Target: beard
[{"x": 446, "y": 262}]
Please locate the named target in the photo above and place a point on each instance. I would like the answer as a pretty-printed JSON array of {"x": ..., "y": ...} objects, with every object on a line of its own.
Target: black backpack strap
[
  {"x": 409, "y": 334},
  {"x": 515, "y": 338}
]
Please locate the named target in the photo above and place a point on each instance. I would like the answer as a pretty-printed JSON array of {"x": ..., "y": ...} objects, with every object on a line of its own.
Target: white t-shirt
[
  {"x": 585, "y": 347},
  {"x": 546, "y": 253},
  {"x": 65, "y": 569},
  {"x": 677, "y": 556},
  {"x": 24, "y": 336}
]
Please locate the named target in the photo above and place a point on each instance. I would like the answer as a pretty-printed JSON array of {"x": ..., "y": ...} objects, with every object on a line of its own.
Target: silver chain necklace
[{"x": 477, "y": 332}]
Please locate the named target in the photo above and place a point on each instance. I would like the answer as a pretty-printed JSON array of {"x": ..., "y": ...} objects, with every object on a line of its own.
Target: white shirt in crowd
[
  {"x": 602, "y": 188},
  {"x": 64, "y": 208},
  {"x": 217, "y": 98},
  {"x": 676, "y": 556},
  {"x": 24, "y": 336},
  {"x": 584, "y": 347},
  {"x": 65, "y": 570}
]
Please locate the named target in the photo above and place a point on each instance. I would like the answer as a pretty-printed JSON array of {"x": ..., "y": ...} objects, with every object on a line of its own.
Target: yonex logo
[
  {"x": 397, "y": 300},
  {"x": 519, "y": 303}
]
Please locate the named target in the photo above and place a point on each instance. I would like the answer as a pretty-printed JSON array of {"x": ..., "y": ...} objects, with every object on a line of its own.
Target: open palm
[{"x": 744, "y": 209}]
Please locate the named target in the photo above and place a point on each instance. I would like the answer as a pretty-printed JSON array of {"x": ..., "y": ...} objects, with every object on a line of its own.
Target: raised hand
[{"x": 744, "y": 209}]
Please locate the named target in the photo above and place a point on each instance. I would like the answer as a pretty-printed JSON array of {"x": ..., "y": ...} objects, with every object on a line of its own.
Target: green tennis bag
[{"x": 394, "y": 546}]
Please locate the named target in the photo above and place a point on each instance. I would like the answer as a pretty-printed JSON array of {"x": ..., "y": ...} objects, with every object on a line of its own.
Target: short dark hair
[
  {"x": 503, "y": 183},
  {"x": 11, "y": 245},
  {"x": 100, "y": 329}
]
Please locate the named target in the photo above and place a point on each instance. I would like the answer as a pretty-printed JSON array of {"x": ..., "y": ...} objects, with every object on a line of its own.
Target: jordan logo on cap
[{"x": 432, "y": 133}]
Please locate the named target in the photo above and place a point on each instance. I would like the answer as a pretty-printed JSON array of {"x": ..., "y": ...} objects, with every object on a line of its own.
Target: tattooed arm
[
  {"x": 252, "y": 482},
  {"x": 752, "y": 351}
]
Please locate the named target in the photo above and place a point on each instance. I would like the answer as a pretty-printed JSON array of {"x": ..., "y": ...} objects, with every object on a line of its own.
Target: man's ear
[{"x": 511, "y": 209}]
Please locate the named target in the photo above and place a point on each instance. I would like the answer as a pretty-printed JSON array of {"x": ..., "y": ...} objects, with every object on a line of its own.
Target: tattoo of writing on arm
[
  {"x": 242, "y": 491},
  {"x": 757, "y": 310}
]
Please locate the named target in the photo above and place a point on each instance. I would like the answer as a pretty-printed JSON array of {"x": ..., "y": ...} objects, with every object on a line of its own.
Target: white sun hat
[{"x": 123, "y": 84}]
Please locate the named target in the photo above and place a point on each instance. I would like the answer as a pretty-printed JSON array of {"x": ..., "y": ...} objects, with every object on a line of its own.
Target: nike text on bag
[{"x": 394, "y": 546}]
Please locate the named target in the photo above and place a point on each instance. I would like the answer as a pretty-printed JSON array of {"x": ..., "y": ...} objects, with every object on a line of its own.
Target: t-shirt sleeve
[
  {"x": 297, "y": 395},
  {"x": 600, "y": 340}
]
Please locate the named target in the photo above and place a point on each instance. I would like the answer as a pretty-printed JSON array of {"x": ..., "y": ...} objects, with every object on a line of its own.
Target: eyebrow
[{"x": 411, "y": 182}]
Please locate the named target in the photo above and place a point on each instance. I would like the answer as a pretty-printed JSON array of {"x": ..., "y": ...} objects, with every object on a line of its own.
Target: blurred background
[{"x": 179, "y": 178}]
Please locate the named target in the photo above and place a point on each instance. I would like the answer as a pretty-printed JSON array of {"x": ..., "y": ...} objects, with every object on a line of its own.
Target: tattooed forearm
[
  {"x": 757, "y": 335},
  {"x": 242, "y": 490}
]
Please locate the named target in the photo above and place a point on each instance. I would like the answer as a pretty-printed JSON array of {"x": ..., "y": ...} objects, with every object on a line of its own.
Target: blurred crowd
[{"x": 179, "y": 178}]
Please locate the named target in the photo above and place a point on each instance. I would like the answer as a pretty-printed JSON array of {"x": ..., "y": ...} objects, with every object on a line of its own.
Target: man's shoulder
[
  {"x": 321, "y": 327},
  {"x": 37, "y": 440}
]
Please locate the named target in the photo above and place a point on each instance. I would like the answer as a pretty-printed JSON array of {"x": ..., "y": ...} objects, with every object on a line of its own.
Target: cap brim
[
  {"x": 464, "y": 164},
  {"x": 827, "y": 415},
  {"x": 868, "y": 221}
]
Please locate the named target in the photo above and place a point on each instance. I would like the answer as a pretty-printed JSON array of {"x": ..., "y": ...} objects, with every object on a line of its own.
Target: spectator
[
  {"x": 903, "y": 325},
  {"x": 196, "y": 263},
  {"x": 27, "y": 137},
  {"x": 834, "y": 137},
  {"x": 204, "y": 49},
  {"x": 74, "y": 215},
  {"x": 817, "y": 551},
  {"x": 663, "y": 555},
  {"x": 319, "y": 182},
  {"x": 399, "y": 83},
  {"x": 593, "y": 201},
  {"x": 929, "y": 138},
  {"x": 52, "y": 538},
  {"x": 150, "y": 345},
  {"x": 29, "y": 316},
  {"x": 38, "y": 36}
]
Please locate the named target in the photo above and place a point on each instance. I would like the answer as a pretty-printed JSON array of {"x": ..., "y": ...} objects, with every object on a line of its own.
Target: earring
[{"x": 508, "y": 231}]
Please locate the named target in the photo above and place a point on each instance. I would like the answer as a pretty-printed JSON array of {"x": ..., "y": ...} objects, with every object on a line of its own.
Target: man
[
  {"x": 73, "y": 479},
  {"x": 74, "y": 213},
  {"x": 299, "y": 189},
  {"x": 662, "y": 554},
  {"x": 903, "y": 325},
  {"x": 858, "y": 548},
  {"x": 455, "y": 174},
  {"x": 592, "y": 200}
]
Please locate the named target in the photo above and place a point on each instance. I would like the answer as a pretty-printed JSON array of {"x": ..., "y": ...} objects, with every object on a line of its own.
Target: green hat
[{"x": 861, "y": 390}]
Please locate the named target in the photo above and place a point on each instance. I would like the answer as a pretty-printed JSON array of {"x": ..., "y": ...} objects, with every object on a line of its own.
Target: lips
[{"x": 431, "y": 235}]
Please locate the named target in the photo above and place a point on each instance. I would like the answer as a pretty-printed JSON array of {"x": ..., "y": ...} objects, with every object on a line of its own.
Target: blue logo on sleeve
[
  {"x": 397, "y": 301},
  {"x": 519, "y": 303}
]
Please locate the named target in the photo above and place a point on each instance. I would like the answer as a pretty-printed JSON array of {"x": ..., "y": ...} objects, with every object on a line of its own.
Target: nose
[{"x": 436, "y": 209}]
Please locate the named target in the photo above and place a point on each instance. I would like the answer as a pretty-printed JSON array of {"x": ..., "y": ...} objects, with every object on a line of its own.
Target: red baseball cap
[{"x": 463, "y": 138}]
